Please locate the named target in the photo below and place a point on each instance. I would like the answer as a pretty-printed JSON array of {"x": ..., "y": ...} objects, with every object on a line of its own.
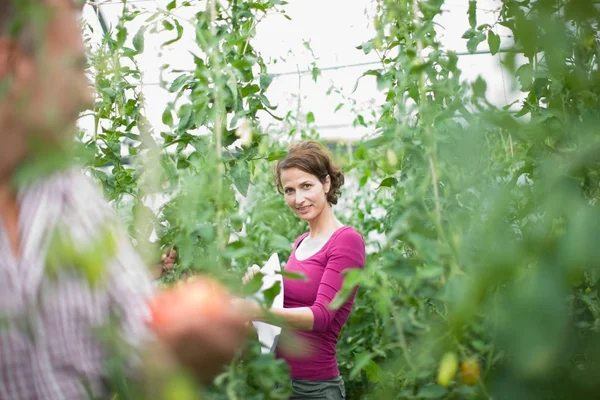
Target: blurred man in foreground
[{"x": 51, "y": 301}]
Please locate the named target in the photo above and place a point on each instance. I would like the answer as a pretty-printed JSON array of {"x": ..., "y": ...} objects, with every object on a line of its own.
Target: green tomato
[
  {"x": 179, "y": 388},
  {"x": 447, "y": 369}
]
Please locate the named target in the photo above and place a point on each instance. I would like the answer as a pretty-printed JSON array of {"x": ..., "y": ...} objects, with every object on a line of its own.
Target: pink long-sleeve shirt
[{"x": 315, "y": 355}]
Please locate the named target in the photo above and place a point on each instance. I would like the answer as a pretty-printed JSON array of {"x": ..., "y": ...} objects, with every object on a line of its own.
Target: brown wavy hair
[{"x": 312, "y": 157}]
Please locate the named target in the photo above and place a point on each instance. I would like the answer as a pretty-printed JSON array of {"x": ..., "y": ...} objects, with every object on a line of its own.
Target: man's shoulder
[
  {"x": 75, "y": 176},
  {"x": 65, "y": 182},
  {"x": 79, "y": 190}
]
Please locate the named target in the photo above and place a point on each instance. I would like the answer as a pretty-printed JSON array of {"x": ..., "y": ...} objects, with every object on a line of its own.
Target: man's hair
[
  {"x": 15, "y": 21},
  {"x": 6, "y": 15}
]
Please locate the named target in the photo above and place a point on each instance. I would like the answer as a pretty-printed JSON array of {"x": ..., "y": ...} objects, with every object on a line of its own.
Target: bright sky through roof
[{"x": 333, "y": 29}]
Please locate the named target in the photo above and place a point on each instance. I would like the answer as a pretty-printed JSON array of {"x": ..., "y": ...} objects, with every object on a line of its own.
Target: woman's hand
[
  {"x": 168, "y": 260},
  {"x": 248, "y": 308},
  {"x": 166, "y": 264},
  {"x": 250, "y": 273}
]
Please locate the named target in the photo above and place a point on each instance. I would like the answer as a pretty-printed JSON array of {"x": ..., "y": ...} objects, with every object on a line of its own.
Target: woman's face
[{"x": 304, "y": 193}]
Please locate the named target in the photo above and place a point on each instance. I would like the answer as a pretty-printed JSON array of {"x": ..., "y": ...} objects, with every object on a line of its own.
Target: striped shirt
[{"x": 49, "y": 344}]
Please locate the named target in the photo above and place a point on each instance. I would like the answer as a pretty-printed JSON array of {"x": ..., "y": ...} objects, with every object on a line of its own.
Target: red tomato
[
  {"x": 197, "y": 322},
  {"x": 195, "y": 301}
]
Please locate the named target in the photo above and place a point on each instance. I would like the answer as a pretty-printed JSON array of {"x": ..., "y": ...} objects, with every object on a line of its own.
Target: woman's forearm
[{"x": 301, "y": 318}]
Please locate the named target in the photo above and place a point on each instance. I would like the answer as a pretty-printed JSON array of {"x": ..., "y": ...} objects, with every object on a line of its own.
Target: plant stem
[
  {"x": 218, "y": 131},
  {"x": 400, "y": 329},
  {"x": 431, "y": 149}
]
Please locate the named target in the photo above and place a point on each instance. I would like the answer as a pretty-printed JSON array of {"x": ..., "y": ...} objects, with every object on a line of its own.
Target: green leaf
[
  {"x": 388, "y": 182},
  {"x": 472, "y": 12},
  {"x": 338, "y": 108},
  {"x": 469, "y": 33},
  {"x": 265, "y": 81},
  {"x": 167, "y": 117},
  {"x": 186, "y": 118},
  {"x": 360, "y": 120},
  {"x": 168, "y": 25},
  {"x": 310, "y": 117},
  {"x": 132, "y": 136},
  {"x": 366, "y": 175},
  {"x": 366, "y": 47},
  {"x": 432, "y": 392},
  {"x": 172, "y": 5},
  {"x": 417, "y": 66},
  {"x": 479, "y": 87},
  {"x": 179, "y": 29},
  {"x": 153, "y": 16},
  {"x": 525, "y": 76},
  {"x": 138, "y": 40},
  {"x": 271, "y": 293},
  {"x": 241, "y": 177},
  {"x": 254, "y": 285},
  {"x": 276, "y": 155},
  {"x": 373, "y": 371},
  {"x": 352, "y": 278},
  {"x": 384, "y": 82},
  {"x": 178, "y": 83},
  {"x": 360, "y": 361},
  {"x": 493, "y": 42},
  {"x": 479, "y": 345},
  {"x": 232, "y": 85},
  {"x": 278, "y": 242},
  {"x": 121, "y": 36},
  {"x": 372, "y": 72},
  {"x": 249, "y": 90},
  {"x": 297, "y": 276},
  {"x": 266, "y": 102},
  {"x": 110, "y": 92},
  {"x": 474, "y": 41},
  {"x": 315, "y": 72}
]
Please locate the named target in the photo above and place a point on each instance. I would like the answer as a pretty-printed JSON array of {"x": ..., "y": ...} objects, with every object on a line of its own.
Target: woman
[{"x": 311, "y": 183}]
